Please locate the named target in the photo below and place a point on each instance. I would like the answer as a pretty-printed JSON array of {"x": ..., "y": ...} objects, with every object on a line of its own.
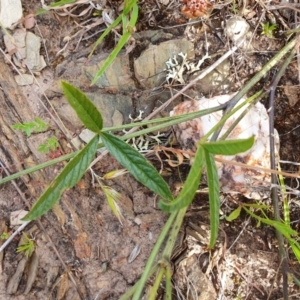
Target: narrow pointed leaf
[
  {"x": 234, "y": 215},
  {"x": 190, "y": 187},
  {"x": 136, "y": 164},
  {"x": 283, "y": 228},
  {"x": 85, "y": 109},
  {"x": 110, "y": 59},
  {"x": 214, "y": 197},
  {"x": 123, "y": 40},
  {"x": 296, "y": 249},
  {"x": 229, "y": 147},
  {"x": 69, "y": 176},
  {"x": 105, "y": 33}
]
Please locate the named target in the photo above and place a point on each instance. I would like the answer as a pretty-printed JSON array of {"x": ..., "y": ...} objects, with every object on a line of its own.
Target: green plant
[
  {"x": 50, "y": 144},
  {"x": 283, "y": 227},
  {"x": 112, "y": 196},
  {"x": 145, "y": 173},
  {"x": 159, "y": 260},
  {"x": 234, "y": 7},
  {"x": 27, "y": 245},
  {"x": 36, "y": 126},
  {"x": 268, "y": 29},
  {"x": 4, "y": 236},
  {"x": 128, "y": 18},
  {"x": 131, "y": 159}
]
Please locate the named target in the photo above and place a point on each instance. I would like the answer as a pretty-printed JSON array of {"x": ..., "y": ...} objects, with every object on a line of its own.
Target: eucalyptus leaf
[
  {"x": 136, "y": 164},
  {"x": 85, "y": 109},
  {"x": 69, "y": 176},
  {"x": 190, "y": 186},
  {"x": 229, "y": 147}
]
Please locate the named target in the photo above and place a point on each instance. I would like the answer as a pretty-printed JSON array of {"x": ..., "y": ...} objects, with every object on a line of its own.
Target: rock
[
  {"x": 217, "y": 80},
  {"x": 253, "y": 184},
  {"x": 24, "y": 79},
  {"x": 237, "y": 29},
  {"x": 117, "y": 77},
  {"x": 153, "y": 36},
  {"x": 117, "y": 118},
  {"x": 10, "y": 12},
  {"x": 86, "y": 135},
  {"x": 34, "y": 61},
  {"x": 66, "y": 113},
  {"x": 107, "y": 104},
  {"x": 150, "y": 65},
  {"x": 17, "y": 216},
  {"x": 16, "y": 43}
]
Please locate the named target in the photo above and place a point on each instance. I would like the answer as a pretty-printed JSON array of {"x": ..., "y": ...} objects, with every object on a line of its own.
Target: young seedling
[
  {"x": 27, "y": 246},
  {"x": 51, "y": 144},
  {"x": 35, "y": 126},
  {"x": 268, "y": 29},
  {"x": 4, "y": 236}
]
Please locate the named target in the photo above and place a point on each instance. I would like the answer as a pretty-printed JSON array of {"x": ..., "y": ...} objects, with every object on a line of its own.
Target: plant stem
[
  {"x": 255, "y": 79},
  {"x": 151, "y": 260},
  {"x": 171, "y": 121},
  {"x": 274, "y": 189}
]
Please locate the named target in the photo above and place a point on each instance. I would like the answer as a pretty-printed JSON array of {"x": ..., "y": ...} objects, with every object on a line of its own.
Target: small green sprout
[
  {"x": 234, "y": 7},
  {"x": 268, "y": 29},
  {"x": 27, "y": 246},
  {"x": 50, "y": 144},
  {"x": 4, "y": 236},
  {"x": 36, "y": 126}
]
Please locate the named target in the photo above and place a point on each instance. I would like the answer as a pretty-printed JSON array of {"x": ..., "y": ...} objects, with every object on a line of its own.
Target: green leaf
[
  {"x": 37, "y": 125},
  {"x": 70, "y": 175},
  {"x": 40, "y": 125},
  {"x": 136, "y": 164},
  {"x": 43, "y": 148},
  {"x": 122, "y": 41},
  {"x": 61, "y": 3},
  {"x": 296, "y": 248},
  {"x": 105, "y": 33},
  {"x": 257, "y": 206},
  {"x": 52, "y": 143},
  {"x": 234, "y": 215},
  {"x": 190, "y": 187},
  {"x": 27, "y": 246},
  {"x": 283, "y": 228},
  {"x": 112, "y": 197},
  {"x": 26, "y": 127},
  {"x": 85, "y": 109},
  {"x": 214, "y": 196},
  {"x": 229, "y": 147}
]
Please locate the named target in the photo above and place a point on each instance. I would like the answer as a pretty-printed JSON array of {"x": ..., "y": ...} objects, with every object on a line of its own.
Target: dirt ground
[{"x": 86, "y": 239}]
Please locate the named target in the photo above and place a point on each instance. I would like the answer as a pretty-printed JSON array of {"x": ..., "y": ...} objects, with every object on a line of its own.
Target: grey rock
[
  {"x": 107, "y": 104},
  {"x": 24, "y": 79},
  {"x": 117, "y": 118},
  {"x": 149, "y": 67},
  {"x": 217, "y": 80},
  {"x": 153, "y": 36},
  {"x": 237, "y": 29},
  {"x": 117, "y": 76},
  {"x": 10, "y": 12},
  {"x": 33, "y": 45}
]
